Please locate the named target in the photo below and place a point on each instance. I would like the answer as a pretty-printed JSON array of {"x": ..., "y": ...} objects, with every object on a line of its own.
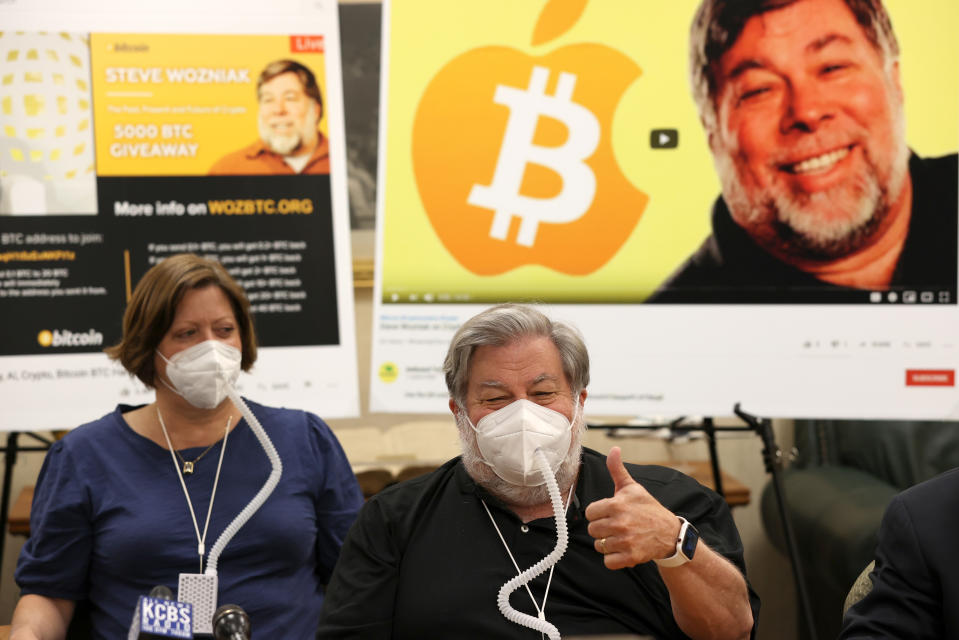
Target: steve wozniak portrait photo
[
  {"x": 803, "y": 109},
  {"x": 289, "y": 111}
]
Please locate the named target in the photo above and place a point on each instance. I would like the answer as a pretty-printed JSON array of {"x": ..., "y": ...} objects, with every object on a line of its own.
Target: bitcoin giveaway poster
[
  {"x": 128, "y": 144},
  {"x": 552, "y": 152},
  {"x": 174, "y": 104}
]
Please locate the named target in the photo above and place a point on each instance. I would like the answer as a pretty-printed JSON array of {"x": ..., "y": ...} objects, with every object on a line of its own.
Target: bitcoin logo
[
  {"x": 514, "y": 163},
  {"x": 518, "y": 149}
]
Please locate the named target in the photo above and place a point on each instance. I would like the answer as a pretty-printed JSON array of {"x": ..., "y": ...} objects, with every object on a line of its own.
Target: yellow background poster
[{"x": 459, "y": 79}]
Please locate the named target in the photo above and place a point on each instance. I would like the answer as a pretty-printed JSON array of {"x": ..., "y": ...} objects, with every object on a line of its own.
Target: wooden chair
[
  {"x": 413, "y": 471},
  {"x": 18, "y": 518},
  {"x": 372, "y": 481}
]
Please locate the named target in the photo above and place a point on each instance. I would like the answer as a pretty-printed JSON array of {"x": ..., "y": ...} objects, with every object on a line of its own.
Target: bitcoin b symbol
[{"x": 579, "y": 181}]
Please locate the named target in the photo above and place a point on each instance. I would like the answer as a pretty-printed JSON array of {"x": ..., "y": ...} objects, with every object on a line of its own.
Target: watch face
[{"x": 689, "y": 542}]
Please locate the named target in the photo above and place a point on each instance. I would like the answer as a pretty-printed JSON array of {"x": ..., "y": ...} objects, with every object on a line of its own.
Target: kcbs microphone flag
[{"x": 160, "y": 618}]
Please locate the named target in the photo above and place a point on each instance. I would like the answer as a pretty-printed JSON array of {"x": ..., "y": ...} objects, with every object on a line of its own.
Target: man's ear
[
  {"x": 710, "y": 123},
  {"x": 896, "y": 82},
  {"x": 453, "y": 408},
  {"x": 711, "y": 139},
  {"x": 582, "y": 398}
]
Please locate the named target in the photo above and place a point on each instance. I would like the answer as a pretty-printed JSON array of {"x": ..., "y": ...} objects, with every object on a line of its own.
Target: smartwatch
[{"x": 685, "y": 545}]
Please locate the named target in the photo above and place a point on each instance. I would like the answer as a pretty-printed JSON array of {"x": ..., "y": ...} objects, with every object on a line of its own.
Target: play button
[{"x": 664, "y": 138}]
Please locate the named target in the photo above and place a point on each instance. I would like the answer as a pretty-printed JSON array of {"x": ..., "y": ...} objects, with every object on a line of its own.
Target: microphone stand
[{"x": 772, "y": 458}]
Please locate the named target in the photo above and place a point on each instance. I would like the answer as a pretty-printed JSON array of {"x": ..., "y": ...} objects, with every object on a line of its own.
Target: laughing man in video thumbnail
[{"x": 802, "y": 105}]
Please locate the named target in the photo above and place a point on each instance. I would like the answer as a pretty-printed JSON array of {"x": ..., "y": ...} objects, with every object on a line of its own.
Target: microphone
[
  {"x": 161, "y": 591},
  {"x": 230, "y": 622},
  {"x": 159, "y": 616}
]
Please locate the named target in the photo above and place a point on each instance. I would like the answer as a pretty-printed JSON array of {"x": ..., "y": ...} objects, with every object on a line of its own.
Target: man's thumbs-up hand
[
  {"x": 617, "y": 470},
  {"x": 631, "y": 527}
]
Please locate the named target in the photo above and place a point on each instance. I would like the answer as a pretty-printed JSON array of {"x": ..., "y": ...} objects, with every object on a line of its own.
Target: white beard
[
  {"x": 290, "y": 142},
  {"x": 283, "y": 145},
  {"x": 511, "y": 493},
  {"x": 805, "y": 225}
]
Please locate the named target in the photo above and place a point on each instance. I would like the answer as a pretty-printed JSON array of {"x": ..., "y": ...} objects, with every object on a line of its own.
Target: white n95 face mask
[
  {"x": 202, "y": 373},
  {"x": 509, "y": 437}
]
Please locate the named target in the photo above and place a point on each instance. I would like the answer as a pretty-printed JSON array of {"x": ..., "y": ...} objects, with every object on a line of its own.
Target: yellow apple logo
[{"x": 513, "y": 154}]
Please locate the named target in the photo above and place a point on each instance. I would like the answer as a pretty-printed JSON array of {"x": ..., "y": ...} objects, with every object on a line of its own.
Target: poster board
[
  {"x": 458, "y": 151},
  {"x": 127, "y": 132}
]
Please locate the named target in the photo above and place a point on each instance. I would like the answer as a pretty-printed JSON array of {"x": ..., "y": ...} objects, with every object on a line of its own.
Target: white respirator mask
[
  {"x": 509, "y": 437},
  {"x": 202, "y": 373}
]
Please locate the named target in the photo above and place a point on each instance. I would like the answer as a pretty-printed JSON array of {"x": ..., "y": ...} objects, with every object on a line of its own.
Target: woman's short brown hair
[{"x": 153, "y": 305}]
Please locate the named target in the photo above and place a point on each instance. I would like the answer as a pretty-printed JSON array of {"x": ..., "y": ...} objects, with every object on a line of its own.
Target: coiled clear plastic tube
[
  {"x": 261, "y": 496},
  {"x": 562, "y": 539}
]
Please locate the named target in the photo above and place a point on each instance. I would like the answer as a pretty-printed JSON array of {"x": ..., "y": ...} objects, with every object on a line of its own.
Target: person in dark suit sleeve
[{"x": 916, "y": 578}]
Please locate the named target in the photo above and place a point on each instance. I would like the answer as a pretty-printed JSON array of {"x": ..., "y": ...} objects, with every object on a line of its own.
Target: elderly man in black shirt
[{"x": 650, "y": 551}]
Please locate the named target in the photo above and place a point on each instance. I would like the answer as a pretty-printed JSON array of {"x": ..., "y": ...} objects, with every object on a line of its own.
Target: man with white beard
[
  {"x": 802, "y": 105},
  {"x": 648, "y": 550},
  {"x": 290, "y": 108}
]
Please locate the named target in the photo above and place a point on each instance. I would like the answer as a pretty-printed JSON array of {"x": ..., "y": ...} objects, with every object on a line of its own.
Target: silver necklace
[{"x": 200, "y": 539}]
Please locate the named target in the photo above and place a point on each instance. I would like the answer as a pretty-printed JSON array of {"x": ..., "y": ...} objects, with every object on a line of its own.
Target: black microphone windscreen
[{"x": 230, "y": 622}]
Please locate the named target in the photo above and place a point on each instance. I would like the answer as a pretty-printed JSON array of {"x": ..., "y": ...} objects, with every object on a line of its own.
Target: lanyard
[{"x": 200, "y": 539}]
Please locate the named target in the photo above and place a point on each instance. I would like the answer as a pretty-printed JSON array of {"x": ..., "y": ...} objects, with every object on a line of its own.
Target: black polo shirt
[{"x": 423, "y": 560}]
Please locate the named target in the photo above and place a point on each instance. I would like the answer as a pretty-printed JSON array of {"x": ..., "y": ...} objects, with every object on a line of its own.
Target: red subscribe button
[{"x": 930, "y": 378}]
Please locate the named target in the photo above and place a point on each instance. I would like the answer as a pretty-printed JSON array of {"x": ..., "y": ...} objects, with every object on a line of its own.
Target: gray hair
[
  {"x": 303, "y": 74},
  {"x": 501, "y": 325},
  {"x": 719, "y": 23}
]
